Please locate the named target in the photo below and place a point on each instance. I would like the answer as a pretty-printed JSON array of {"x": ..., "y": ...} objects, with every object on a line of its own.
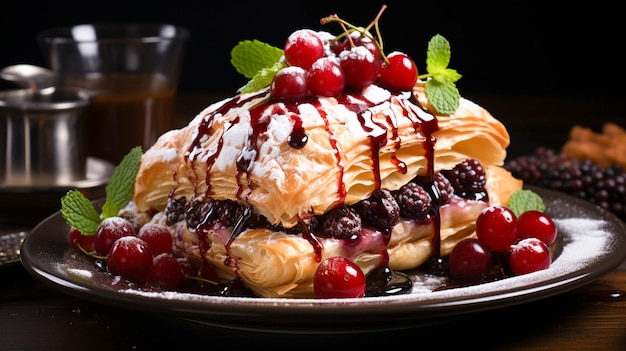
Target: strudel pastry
[{"x": 246, "y": 186}]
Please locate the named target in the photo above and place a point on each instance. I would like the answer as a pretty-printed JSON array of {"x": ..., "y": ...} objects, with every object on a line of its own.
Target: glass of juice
[{"x": 131, "y": 69}]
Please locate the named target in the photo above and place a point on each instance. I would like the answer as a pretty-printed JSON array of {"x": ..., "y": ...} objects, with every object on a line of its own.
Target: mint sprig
[
  {"x": 262, "y": 79},
  {"x": 523, "y": 200},
  {"x": 79, "y": 212},
  {"x": 258, "y": 61},
  {"x": 120, "y": 188},
  {"x": 441, "y": 89}
]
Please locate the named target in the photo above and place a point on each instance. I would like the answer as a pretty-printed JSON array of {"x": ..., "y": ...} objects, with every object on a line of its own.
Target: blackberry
[
  {"x": 414, "y": 201},
  {"x": 310, "y": 224},
  {"x": 227, "y": 213},
  {"x": 582, "y": 178},
  {"x": 198, "y": 213},
  {"x": 222, "y": 213},
  {"x": 341, "y": 223},
  {"x": 446, "y": 190},
  {"x": 468, "y": 179},
  {"x": 380, "y": 210},
  {"x": 175, "y": 210}
]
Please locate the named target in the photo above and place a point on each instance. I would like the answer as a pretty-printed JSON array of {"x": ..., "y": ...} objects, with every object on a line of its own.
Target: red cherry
[
  {"x": 470, "y": 258},
  {"x": 157, "y": 236},
  {"x": 130, "y": 258},
  {"x": 400, "y": 73},
  {"x": 109, "y": 230},
  {"x": 359, "y": 66},
  {"x": 338, "y": 277},
  {"x": 496, "y": 227},
  {"x": 325, "y": 78},
  {"x": 302, "y": 48},
  {"x": 289, "y": 83},
  {"x": 536, "y": 224},
  {"x": 79, "y": 241},
  {"x": 529, "y": 255},
  {"x": 359, "y": 39},
  {"x": 187, "y": 267},
  {"x": 166, "y": 271}
]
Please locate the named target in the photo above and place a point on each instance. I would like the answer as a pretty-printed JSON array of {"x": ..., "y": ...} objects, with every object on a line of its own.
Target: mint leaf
[
  {"x": 120, "y": 187},
  {"x": 249, "y": 57},
  {"x": 443, "y": 95},
  {"x": 523, "y": 200},
  {"x": 441, "y": 91},
  {"x": 79, "y": 212},
  {"x": 262, "y": 79},
  {"x": 438, "y": 54}
]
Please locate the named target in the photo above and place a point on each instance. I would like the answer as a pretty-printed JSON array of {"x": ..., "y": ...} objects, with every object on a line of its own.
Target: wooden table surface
[{"x": 34, "y": 316}]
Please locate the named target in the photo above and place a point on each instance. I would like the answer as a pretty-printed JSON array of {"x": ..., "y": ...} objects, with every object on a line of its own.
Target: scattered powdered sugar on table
[{"x": 586, "y": 242}]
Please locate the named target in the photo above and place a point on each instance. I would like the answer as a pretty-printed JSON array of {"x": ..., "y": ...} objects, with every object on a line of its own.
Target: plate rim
[{"x": 324, "y": 314}]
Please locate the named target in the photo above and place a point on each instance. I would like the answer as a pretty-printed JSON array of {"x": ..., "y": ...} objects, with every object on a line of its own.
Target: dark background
[{"x": 516, "y": 48}]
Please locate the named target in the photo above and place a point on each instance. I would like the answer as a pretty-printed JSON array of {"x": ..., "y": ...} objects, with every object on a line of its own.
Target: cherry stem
[
  {"x": 345, "y": 30},
  {"x": 364, "y": 31},
  {"x": 374, "y": 23},
  {"x": 191, "y": 277},
  {"x": 88, "y": 253},
  {"x": 500, "y": 258}
]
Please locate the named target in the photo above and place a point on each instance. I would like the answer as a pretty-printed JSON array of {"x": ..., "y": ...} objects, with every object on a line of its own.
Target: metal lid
[{"x": 45, "y": 99}]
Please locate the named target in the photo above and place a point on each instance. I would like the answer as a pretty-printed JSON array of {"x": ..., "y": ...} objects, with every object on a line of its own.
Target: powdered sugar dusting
[
  {"x": 376, "y": 94},
  {"x": 167, "y": 154},
  {"x": 584, "y": 242},
  {"x": 588, "y": 237},
  {"x": 82, "y": 273}
]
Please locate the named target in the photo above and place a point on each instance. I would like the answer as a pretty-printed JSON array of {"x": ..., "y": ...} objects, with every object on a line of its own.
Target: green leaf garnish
[
  {"x": 250, "y": 56},
  {"x": 443, "y": 96},
  {"x": 262, "y": 79},
  {"x": 79, "y": 212},
  {"x": 120, "y": 187},
  {"x": 257, "y": 61},
  {"x": 523, "y": 200},
  {"x": 441, "y": 90}
]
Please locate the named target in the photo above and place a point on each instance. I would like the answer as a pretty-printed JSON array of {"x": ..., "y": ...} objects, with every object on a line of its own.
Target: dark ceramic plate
[{"x": 591, "y": 242}]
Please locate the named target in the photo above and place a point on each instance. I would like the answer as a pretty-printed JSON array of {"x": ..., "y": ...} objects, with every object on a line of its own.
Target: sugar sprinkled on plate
[{"x": 584, "y": 242}]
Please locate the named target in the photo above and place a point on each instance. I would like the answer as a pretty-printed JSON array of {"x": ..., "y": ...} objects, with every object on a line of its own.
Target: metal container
[{"x": 41, "y": 137}]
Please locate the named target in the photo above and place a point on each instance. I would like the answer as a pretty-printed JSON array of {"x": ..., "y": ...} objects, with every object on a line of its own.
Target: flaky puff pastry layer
[
  {"x": 276, "y": 264},
  {"x": 347, "y": 155},
  {"x": 470, "y": 132}
]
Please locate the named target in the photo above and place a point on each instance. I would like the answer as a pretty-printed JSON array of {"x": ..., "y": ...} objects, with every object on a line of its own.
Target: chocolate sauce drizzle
[{"x": 423, "y": 122}]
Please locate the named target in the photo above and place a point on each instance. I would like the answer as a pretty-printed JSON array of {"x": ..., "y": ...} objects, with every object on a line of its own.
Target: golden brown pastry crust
[
  {"x": 470, "y": 132},
  {"x": 284, "y": 182}
]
